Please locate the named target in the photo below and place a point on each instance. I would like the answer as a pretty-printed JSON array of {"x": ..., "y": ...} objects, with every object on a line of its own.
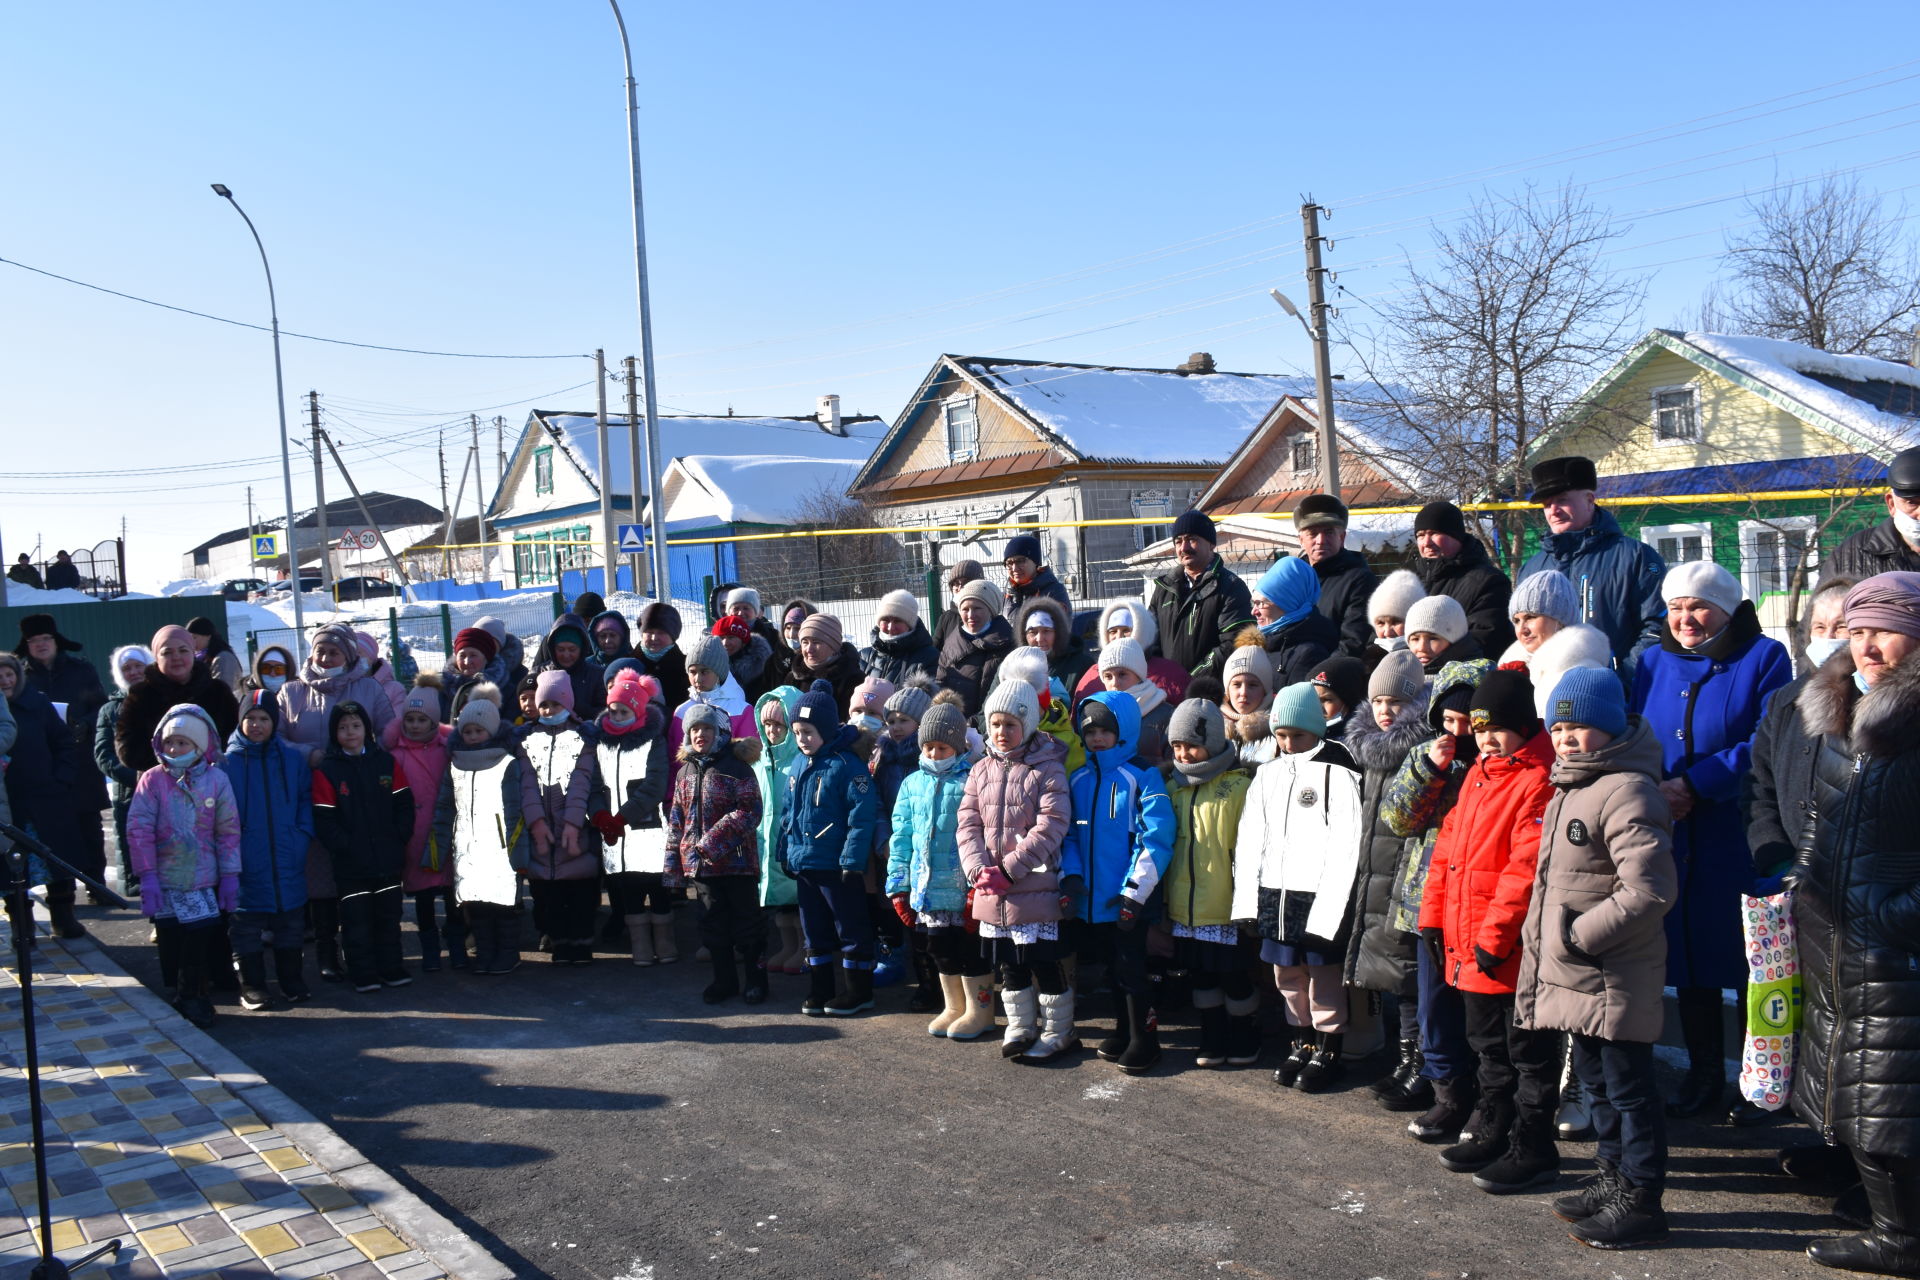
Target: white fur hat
[
  {"x": 1026, "y": 664},
  {"x": 1398, "y": 592},
  {"x": 1702, "y": 580}
]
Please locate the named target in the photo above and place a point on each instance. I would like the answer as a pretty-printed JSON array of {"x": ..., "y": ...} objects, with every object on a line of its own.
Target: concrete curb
[{"x": 412, "y": 1219}]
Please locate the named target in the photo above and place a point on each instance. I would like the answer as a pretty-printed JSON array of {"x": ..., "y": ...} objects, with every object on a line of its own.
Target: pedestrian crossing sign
[
  {"x": 633, "y": 539},
  {"x": 266, "y": 546}
]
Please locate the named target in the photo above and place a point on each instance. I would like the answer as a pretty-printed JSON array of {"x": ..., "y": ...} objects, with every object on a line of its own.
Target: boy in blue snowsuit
[
  {"x": 1115, "y": 852},
  {"x": 826, "y": 837},
  {"x": 273, "y": 789}
]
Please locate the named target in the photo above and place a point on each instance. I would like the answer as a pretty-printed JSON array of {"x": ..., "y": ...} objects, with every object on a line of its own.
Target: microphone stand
[{"x": 20, "y": 907}]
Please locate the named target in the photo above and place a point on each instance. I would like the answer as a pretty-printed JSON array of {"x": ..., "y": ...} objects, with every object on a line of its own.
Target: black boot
[
  {"x": 286, "y": 967},
  {"x": 1632, "y": 1217},
  {"x": 1892, "y": 1247},
  {"x": 253, "y": 981},
  {"x": 754, "y": 989},
  {"x": 60, "y": 912},
  {"x": 1704, "y": 1087},
  {"x": 1491, "y": 1125},
  {"x": 1143, "y": 1038},
  {"x": 1406, "y": 1067},
  {"x": 1114, "y": 1046},
  {"x": 1213, "y": 1035},
  {"x": 1324, "y": 1069},
  {"x": 1532, "y": 1159},
  {"x": 326, "y": 954},
  {"x": 927, "y": 996},
  {"x": 1405, "y": 1089},
  {"x": 429, "y": 930},
  {"x": 819, "y": 986},
  {"x": 726, "y": 978},
  {"x": 1593, "y": 1195},
  {"x": 1299, "y": 1054},
  {"x": 194, "y": 1002},
  {"x": 858, "y": 997},
  {"x": 1452, "y": 1106}
]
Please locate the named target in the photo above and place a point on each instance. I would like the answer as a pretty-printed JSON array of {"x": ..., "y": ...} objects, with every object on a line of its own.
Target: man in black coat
[
  {"x": 1894, "y": 543},
  {"x": 1346, "y": 579},
  {"x": 1200, "y": 605},
  {"x": 1028, "y": 577},
  {"x": 63, "y": 574},
  {"x": 1453, "y": 563},
  {"x": 56, "y": 670}
]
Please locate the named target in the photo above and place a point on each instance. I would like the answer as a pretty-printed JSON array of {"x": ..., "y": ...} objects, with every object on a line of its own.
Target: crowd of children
[{"x": 1410, "y": 832}]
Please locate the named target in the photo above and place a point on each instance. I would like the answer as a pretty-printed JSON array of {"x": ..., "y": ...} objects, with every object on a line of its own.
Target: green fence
[{"x": 104, "y": 626}]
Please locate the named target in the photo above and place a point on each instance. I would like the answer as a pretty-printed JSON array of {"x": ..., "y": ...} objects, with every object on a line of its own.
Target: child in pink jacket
[{"x": 418, "y": 743}]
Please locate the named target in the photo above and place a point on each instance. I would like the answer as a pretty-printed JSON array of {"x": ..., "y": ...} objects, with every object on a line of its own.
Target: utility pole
[
  {"x": 607, "y": 561},
  {"x": 654, "y": 586},
  {"x": 479, "y": 487},
  {"x": 251, "y": 558},
  {"x": 393, "y": 561},
  {"x": 319, "y": 507},
  {"x": 1322, "y": 354},
  {"x": 499, "y": 472},
  {"x": 446, "y": 512}
]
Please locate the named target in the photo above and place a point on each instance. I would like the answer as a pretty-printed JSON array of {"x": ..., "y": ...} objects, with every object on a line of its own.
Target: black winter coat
[
  {"x": 1381, "y": 955},
  {"x": 894, "y": 658},
  {"x": 670, "y": 669},
  {"x": 40, "y": 773},
  {"x": 753, "y": 667},
  {"x": 363, "y": 814},
  {"x": 1198, "y": 623},
  {"x": 149, "y": 701},
  {"x": 968, "y": 664},
  {"x": 75, "y": 682},
  {"x": 1068, "y": 659},
  {"x": 1777, "y": 792},
  {"x": 1301, "y": 649},
  {"x": 1856, "y": 911},
  {"x": 1869, "y": 552},
  {"x": 1481, "y": 587},
  {"x": 844, "y": 675},
  {"x": 1044, "y": 585},
  {"x": 1346, "y": 583}
]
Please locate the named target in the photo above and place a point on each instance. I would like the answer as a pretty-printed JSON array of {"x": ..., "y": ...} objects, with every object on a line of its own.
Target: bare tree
[
  {"x": 1828, "y": 265},
  {"x": 1498, "y": 339},
  {"x": 837, "y": 567}
]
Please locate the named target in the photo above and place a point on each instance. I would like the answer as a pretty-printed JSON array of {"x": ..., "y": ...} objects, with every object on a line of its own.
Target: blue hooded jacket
[
  {"x": 832, "y": 807},
  {"x": 924, "y": 857},
  {"x": 273, "y": 789},
  {"x": 1121, "y": 838},
  {"x": 1617, "y": 580}
]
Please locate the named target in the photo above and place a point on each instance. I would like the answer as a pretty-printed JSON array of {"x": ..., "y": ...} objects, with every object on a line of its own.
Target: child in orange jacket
[{"x": 1478, "y": 888}]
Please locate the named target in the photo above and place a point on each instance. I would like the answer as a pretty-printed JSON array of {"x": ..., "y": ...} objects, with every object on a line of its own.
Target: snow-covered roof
[
  {"x": 1137, "y": 415},
  {"x": 756, "y": 490},
  {"x": 685, "y": 436},
  {"x": 1858, "y": 392}
]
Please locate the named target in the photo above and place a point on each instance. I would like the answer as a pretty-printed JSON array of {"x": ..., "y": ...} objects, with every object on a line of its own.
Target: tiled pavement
[{"x": 157, "y": 1136}]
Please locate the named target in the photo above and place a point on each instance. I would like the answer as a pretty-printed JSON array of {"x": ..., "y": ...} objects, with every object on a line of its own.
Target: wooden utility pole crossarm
[
  {"x": 393, "y": 561},
  {"x": 1322, "y": 355}
]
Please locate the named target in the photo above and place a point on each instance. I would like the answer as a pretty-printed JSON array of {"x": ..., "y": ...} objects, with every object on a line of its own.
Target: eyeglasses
[{"x": 273, "y": 668}]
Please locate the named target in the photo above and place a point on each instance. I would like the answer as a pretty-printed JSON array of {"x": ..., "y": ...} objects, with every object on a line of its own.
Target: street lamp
[
  {"x": 1323, "y": 388},
  {"x": 279, "y": 403}
]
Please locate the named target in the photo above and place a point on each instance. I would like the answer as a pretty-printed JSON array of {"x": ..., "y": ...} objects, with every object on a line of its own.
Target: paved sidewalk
[{"x": 160, "y": 1137}]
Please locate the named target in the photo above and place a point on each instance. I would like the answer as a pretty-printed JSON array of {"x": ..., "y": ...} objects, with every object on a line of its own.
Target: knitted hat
[
  {"x": 1398, "y": 592},
  {"x": 567, "y": 633},
  {"x": 1198, "y": 723},
  {"x": 983, "y": 591},
  {"x": 825, "y": 628},
  {"x": 1317, "y": 509},
  {"x": 913, "y": 698},
  {"x": 1399, "y": 675},
  {"x": 619, "y": 665},
  {"x": 482, "y": 708},
  {"x": 634, "y": 692},
  {"x": 1298, "y": 707},
  {"x": 422, "y": 699},
  {"x": 1017, "y": 699},
  {"x": 478, "y": 639},
  {"x": 898, "y": 604},
  {"x": 1547, "y": 594},
  {"x": 708, "y": 654},
  {"x": 1556, "y": 476},
  {"x": 699, "y": 713},
  {"x": 1438, "y": 615},
  {"x": 817, "y": 708},
  {"x": 1126, "y": 654},
  {"x": 1590, "y": 696},
  {"x": 202, "y": 627},
  {"x": 659, "y": 616},
  {"x": 190, "y": 723},
  {"x": 963, "y": 572},
  {"x": 1441, "y": 517},
  {"x": 589, "y": 604},
  {"x": 1195, "y": 524},
  {"x": 554, "y": 686},
  {"x": 1344, "y": 677},
  {"x": 495, "y": 627},
  {"x": 742, "y": 595},
  {"x": 1886, "y": 602},
  {"x": 1703, "y": 580},
  {"x": 1504, "y": 700},
  {"x": 870, "y": 696},
  {"x": 1094, "y": 713},
  {"x": 267, "y": 703},
  {"x": 1249, "y": 660},
  {"x": 944, "y": 722},
  {"x": 529, "y": 683},
  {"x": 728, "y": 627},
  {"x": 1027, "y": 664},
  {"x": 1024, "y": 544}
]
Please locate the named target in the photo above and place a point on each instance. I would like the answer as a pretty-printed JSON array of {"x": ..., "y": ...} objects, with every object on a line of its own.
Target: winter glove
[
  {"x": 610, "y": 825},
  {"x": 904, "y": 909},
  {"x": 1566, "y": 937},
  {"x": 991, "y": 879},
  {"x": 1436, "y": 939},
  {"x": 1488, "y": 962},
  {"x": 229, "y": 893},
  {"x": 1071, "y": 890},
  {"x": 153, "y": 899},
  {"x": 1129, "y": 914},
  {"x": 1767, "y": 886}
]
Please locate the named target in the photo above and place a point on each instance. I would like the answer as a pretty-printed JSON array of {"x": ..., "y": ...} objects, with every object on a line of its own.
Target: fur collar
[
  {"x": 1885, "y": 721},
  {"x": 1377, "y": 748}
]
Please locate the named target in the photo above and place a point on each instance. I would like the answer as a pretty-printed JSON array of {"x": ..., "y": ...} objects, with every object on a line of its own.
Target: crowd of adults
[{"x": 1773, "y": 779}]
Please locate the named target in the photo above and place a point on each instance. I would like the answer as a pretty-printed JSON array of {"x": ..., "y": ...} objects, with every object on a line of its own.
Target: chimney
[
  {"x": 829, "y": 416},
  {"x": 1198, "y": 362}
]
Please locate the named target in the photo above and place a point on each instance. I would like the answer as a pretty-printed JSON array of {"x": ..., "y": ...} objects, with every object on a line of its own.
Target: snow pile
[
  {"x": 1790, "y": 368},
  {"x": 188, "y": 587},
  {"x": 23, "y": 597}
]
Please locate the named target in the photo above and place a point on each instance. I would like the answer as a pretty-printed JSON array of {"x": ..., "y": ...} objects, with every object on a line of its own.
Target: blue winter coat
[
  {"x": 1121, "y": 838},
  {"x": 1618, "y": 579},
  {"x": 273, "y": 789},
  {"x": 1704, "y": 707},
  {"x": 832, "y": 806},
  {"x": 924, "y": 857}
]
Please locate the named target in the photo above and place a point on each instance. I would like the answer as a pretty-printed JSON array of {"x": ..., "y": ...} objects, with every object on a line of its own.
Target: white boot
[
  {"x": 665, "y": 949},
  {"x": 640, "y": 934},
  {"x": 1576, "y": 1117},
  {"x": 1023, "y": 1021},
  {"x": 976, "y": 1015},
  {"x": 1056, "y": 1030},
  {"x": 951, "y": 986}
]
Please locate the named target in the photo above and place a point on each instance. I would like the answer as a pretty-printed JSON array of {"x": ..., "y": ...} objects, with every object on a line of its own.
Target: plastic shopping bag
[{"x": 1773, "y": 1000}]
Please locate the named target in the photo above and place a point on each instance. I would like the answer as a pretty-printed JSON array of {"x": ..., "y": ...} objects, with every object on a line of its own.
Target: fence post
[
  {"x": 559, "y": 604},
  {"x": 393, "y": 634},
  {"x": 446, "y": 629},
  {"x": 706, "y": 592},
  {"x": 933, "y": 591},
  {"x": 253, "y": 648}
]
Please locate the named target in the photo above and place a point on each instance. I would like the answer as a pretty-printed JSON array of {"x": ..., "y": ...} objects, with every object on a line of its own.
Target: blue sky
[{"x": 836, "y": 194}]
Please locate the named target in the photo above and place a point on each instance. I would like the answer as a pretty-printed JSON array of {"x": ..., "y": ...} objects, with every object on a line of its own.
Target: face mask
[
  {"x": 555, "y": 720},
  {"x": 950, "y": 765},
  {"x": 871, "y": 723},
  {"x": 1392, "y": 644},
  {"x": 1909, "y": 527},
  {"x": 272, "y": 683},
  {"x": 180, "y": 763},
  {"x": 1860, "y": 681},
  {"x": 1818, "y": 651},
  {"x": 654, "y": 655}
]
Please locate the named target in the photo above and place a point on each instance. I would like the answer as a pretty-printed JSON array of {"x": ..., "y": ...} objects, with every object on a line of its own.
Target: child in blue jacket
[
  {"x": 273, "y": 788},
  {"x": 1116, "y": 851},
  {"x": 826, "y": 836},
  {"x": 925, "y": 881}
]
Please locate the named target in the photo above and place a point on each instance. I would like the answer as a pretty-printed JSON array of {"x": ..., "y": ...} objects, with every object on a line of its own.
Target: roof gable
[{"x": 1259, "y": 477}]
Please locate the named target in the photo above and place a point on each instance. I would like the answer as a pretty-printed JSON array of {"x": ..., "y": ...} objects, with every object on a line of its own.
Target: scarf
[
  {"x": 1149, "y": 695},
  {"x": 1210, "y": 768}
]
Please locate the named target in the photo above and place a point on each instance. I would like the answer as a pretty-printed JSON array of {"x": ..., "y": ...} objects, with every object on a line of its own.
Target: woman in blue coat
[{"x": 1703, "y": 690}]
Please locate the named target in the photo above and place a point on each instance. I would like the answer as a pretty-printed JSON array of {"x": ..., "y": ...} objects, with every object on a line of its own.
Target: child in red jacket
[{"x": 1478, "y": 888}]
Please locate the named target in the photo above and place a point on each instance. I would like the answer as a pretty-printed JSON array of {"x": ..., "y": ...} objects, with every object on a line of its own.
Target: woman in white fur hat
[{"x": 1550, "y": 638}]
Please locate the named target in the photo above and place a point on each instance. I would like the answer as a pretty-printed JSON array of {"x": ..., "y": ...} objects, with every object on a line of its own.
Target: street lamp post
[
  {"x": 649, "y": 434},
  {"x": 1323, "y": 388},
  {"x": 279, "y": 403}
]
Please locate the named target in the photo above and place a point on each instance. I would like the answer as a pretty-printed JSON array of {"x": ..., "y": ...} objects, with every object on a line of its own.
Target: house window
[
  {"x": 543, "y": 470},
  {"x": 1305, "y": 452},
  {"x": 1679, "y": 543},
  {"x": 963, "y": 429},
  {"x": 1676, "y": 416},
  {"x": 1156, "y": 506},
  {"x": 1771, "y": 551}
]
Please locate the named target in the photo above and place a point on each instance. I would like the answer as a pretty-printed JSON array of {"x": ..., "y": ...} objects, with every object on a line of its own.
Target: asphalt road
[{"x": 603, "y": 1123}]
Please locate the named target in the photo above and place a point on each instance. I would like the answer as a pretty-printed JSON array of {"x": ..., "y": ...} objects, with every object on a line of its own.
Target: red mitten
[
  {"x": 610, "y": 825},
  {"x": 904, "y": 910},
  {"x": 993, "y": 880},
  {"x": 229, "y": 893}
]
